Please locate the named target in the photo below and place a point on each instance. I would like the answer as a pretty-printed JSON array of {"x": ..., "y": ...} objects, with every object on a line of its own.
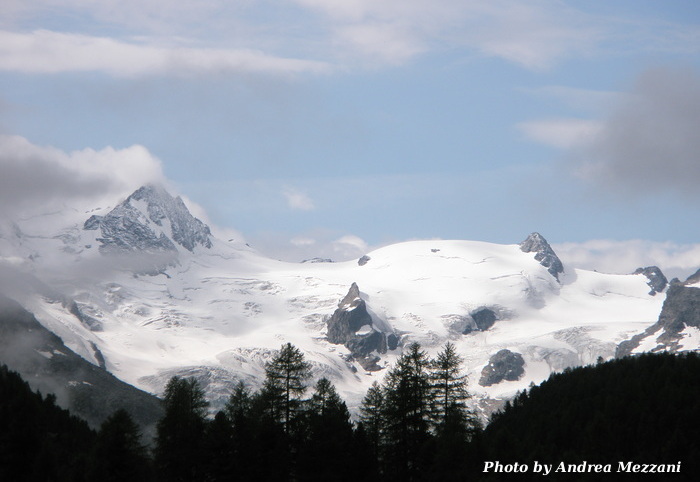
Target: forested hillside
[
  {"x": 637, "y": 413},
  {"x": 644, "y": 409}
]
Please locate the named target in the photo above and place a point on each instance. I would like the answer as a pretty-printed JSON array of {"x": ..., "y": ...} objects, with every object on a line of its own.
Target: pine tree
[
  {"x": 372, "y": 417},
  {"x": 180, "y": 433},
  {"x": 326, "y": 451},
  {"x": 218, "y": 445},
  {"x": 407, "y": 412},
  {"x": 245, "y": 452},
  {"x": 453, "y": 423},
  {"x": 285, "y": 382},
  {"x": 448, "y": 387},
  {"x": 239, "y": 404},
  {"x": 118, "y": 454}
]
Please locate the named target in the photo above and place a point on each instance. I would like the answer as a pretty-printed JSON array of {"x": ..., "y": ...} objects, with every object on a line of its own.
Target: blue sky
[{"x": 328, "y": 127}]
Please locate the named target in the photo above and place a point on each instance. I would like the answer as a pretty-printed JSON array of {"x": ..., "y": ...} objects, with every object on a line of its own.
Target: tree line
[
  {"x": 414, "y": 426},
  {"x": 416, "y": 423}
]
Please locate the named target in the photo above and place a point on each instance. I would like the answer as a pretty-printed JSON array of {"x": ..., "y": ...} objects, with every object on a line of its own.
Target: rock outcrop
[
  {"x": 363, "y": 260},
  {"x": 351, "y": 325},
  {"x": 350, "y": 316},
  {"x": 656, "y": 280},
  {"x": 535, "y": 243},
  {"x": 481, "y": 320},
  {"x": 504, "y": 365},
  {"x": 127, "y": 228},
  {"x": 681, "y": 309}
]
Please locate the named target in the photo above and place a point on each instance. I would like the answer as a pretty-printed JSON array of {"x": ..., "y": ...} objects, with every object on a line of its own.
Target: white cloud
[
  {"x": 315, "y": 243},
  {"x": 534, "y": 34},
  {"x": 47, "y": 52},
  {"x": 302, "y": 241},
  {"x": 34, "y": 176},
  {"x": 350, "y": 243},
  {"x": 623, "y": 257},
  {"x": 561, "y": 133},
  {"x": 298, "y": 200},
  {"x": 649, "y": 142},
  {"x": 242, "y": 36}
]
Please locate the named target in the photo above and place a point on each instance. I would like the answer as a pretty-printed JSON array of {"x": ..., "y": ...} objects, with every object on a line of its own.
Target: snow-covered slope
[{"x": 148, "y": 286}]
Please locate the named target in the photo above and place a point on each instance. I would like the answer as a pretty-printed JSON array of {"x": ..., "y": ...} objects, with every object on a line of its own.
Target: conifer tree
[
  {"x": 245, "y": 452},
  {"x": 372, "y": 417},
  {"x": 407, "y": 412},
  {"x": 118, "y": 454},
  {"x": 448, "y": 387},
  {"x": 239, "y": 404},
  {"x": 326, "y": 451},
  {"x": 180, "y": 433},
  {"x": 220, "y": 462},
  {"x": 285, "y": 382}
]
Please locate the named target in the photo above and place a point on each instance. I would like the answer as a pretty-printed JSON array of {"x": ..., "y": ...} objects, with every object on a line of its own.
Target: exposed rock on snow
[
  {"x": 351, "y": 325},
  {"x": 148, "y": 222},
  {"x": 535, "y": 243},
  {"x": 484, "y": 318},
  {"x": 680, "y": 310},
  {"x": 350, "y": 316},
  {"x": 657, "y": 281},
  {"x": 504, "y": 365},
  {"x": 219, "y": 313},
  {"x": 317, "y": 260}
]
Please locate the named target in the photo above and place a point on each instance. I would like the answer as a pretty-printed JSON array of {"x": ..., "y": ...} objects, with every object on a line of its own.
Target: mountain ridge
[{"x": 189, "y": 303}]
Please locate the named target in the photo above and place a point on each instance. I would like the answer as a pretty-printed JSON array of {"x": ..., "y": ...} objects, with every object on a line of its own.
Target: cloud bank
[
  {"x": 650, "y": 142},
  {"x": 47, "y": 52},
  {"x": 35, "y": 177},
  {"x": 147, "y": 37},
  {"x": 624, "y": 257}
]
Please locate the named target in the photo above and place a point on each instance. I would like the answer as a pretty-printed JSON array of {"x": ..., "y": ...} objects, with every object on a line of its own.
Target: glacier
[{"x": 146, "y": 290}]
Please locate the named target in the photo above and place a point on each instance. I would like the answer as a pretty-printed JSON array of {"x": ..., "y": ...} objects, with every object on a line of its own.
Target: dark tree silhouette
[
  {"x": 179, "y": 454},
  {"x": 285, "y": 382},
  {"x": 407, "y": 413},
  {"x": 118, "y": 453}
]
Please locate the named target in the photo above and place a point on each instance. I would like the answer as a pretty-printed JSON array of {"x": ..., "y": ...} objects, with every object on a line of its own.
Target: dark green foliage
[
  {"x": 643, "y": 409},
  {"x": 372, "y": 418},
  {"x": 448, "y": 387},
  {"x": 179, "y": 454},
  {"x": 38, "y": 440},
  {"x": 326, "y": 453},
  {"x": 285, "y": 382},
  {"x": 118, "y": 454},
  {"x": 407, "y": 415},
  {"x": 219, "y": 449}
]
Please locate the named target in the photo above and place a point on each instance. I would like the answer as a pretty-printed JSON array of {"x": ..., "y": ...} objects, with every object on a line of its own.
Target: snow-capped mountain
[{"x": 145, "y": 290}]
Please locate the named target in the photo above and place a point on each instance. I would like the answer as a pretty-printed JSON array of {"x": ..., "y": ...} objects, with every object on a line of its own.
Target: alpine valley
[{"x": 96, "y": 303}]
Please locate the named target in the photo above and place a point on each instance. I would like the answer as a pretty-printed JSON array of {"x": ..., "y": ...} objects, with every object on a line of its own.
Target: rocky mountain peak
[
  {"x": 535, "y": 243},
  {"x": 656, "y": 279},
  {"x": 186, "y": 230},
  {"x": 351, "y": 325},
  {"x": 151, "y": 221},
  {"x": 351, "y": 300}
]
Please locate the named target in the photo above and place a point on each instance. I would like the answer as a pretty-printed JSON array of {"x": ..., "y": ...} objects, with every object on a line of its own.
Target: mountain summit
[
  {"x": 149, "y": 221},
  {"x": 535, "y": 243},
  {"x": 218, "y": 310}
]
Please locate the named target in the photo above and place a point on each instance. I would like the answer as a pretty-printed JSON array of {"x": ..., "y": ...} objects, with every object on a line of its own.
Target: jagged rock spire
[
  {"x": 149, "y": 220},
  {"x": 535, "y": 243},
  {"x": 656, "y": 279}
]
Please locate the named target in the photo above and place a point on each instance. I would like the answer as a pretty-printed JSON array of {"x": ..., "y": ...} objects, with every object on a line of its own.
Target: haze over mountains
[{"x": 145, "y": 291}]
